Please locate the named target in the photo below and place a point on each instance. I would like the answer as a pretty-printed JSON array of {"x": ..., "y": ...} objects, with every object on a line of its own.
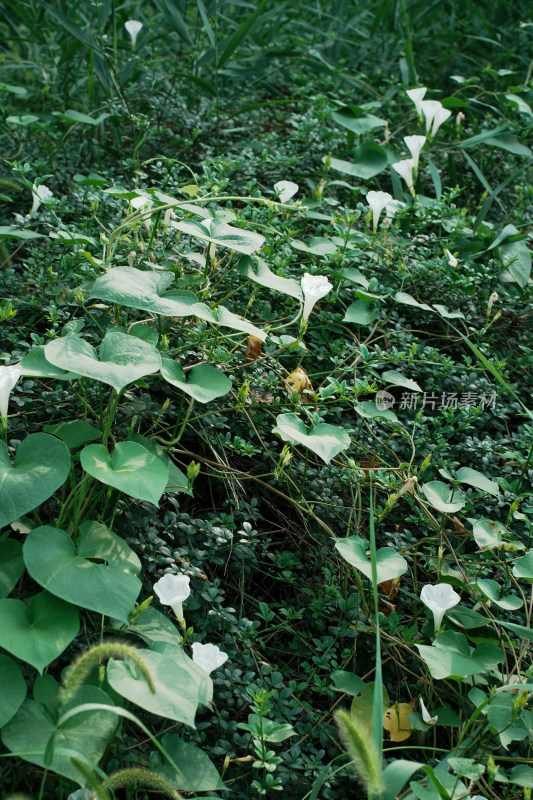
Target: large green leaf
[
  {"x": 41, "y": 465},
  {"x": 204, "y": 382},
  {"x": 449, "y": 656},
  {"x": 516, "y": 258},
  {"x": 357, "y": 123},
  {"x": 441, "y": 497},
  {"x": 84, "y": 736},
  {"x": 123, "y": 359},
  {"x": 176, "y": 695},
  {"x": 369, "y": 159},
  {"x": 324, "y": 440},
  {"x": 34, "y": 364},
  {"x": 177, "y": 480},
  {"x": 39, "y": 632},
  {"x": 474, "y": 478},
  {"x": 523, "y": 567},
  {"x": 74, "y": 432},
  {"x": 258, "y": 271},
  {"x": 68, "y": 571},
  {"x": 11, "y": 565},
  {"x": 144, "y": 290},
  {"x": 219, "y": 232},
  {"x": 131, "y": 469},
  {"x": 361, "y": 312},
  {"x": 12, "y": 689},
  {"x": 198, "y": 773},
  {"x": 388, "y": 562}
]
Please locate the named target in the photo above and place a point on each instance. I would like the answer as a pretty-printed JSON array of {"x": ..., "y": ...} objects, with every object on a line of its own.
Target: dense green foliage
[{"x": 309, "y": 402}]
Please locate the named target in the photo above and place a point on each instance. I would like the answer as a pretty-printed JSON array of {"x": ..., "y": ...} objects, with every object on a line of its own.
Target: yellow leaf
[
  {"x": 395, "y": 721},
  {"x": 298, "y": 381}
]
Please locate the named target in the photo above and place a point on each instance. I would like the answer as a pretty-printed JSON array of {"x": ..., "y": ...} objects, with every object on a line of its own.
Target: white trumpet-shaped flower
[
  {"x": 133, "y": 27},
  {"x": 285, "y": 190},
  {"x": 314, "y": 288},
  {"x": 415, "y": 144},
  {"x": 452, "y": 261},
  {"x": 8, "y": 378},
  {"x": 435, "y": 114},
  {"x": 140, "y": 204},
  {"x": 405, "y": 169},
  {"x": 173, "y": 590},
  {"x": 428, "y": 719},
  {"x": 208, "y": 656},
  {"x": 40, "y": 194},
  {"x": 417, "y": 95},
  {"x": 377, "y": 202},
  {"x": 439, "y": 599}
]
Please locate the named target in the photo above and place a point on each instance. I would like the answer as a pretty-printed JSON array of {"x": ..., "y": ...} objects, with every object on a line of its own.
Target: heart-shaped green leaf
[
  {"x": 34, "y": 364},
  {"x": 324, "y": 440},
  {"x": 41, "y": 465},
  {"x": 523, "y": 567},
  {"x": 369, "y": 159},
  {"x": 144, "y": 290},
  {"x": 74, "y": 433},
  {"x": 389, "y": 564},
  {"x": 39, "y": 632},
  {"x": 258, "y": 271},
  {"x": 85, "y": 735},
  {"x": 318, "y": 246},
  {"x": 474, "y": 478},
  {"x": 361, "y": 312},
  {"x": 203, "y": 382},
  {"x": 177, "y": 480},
  {"x": 197, "y": 771},
  {"x": 11, "y": 565},
  {"x": 440, "y": 497},
  {"x": 219, "y": 232},
  {"x": 176, "y": 695},
  {"x": 131, "y": 469},
  {"x": 123, "y": 359},
  {"x": 449, "y": 656},
  {"x": 357, "y": 123},
  {"x": 54, "y": 561},
  {"x": 12, "y": 689},
  {"x": 491, "y": 589}
]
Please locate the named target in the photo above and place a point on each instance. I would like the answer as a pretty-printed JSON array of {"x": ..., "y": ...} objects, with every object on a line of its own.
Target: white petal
[
  {"x": 285, "y": 190},
  {"x": 377, "y": 202},
  {"x": 429, "y": 720},
  {"x": 415, "y": 144},
  {"x": 429, "y": 109},
  {"x": 208, "y": 656},
  {"x": 314, "y": 288},
  {"x": 172, "y": 589},
  {"x": 8, "y": 378},
  {"x": 417, "y": 95},
  {"x": 133, "y": 27},
  {"x": 405, "y": 169}
]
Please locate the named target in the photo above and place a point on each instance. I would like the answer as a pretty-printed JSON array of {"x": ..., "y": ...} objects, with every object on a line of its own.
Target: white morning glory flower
[
  {"x": 140, "y": 204},
  {"x": 133, "y": 27},
  {"x": 439, "y": 599},
  {"x": 208, "y": 656},
  {"x": 435, "y": 115},
  {"x": 417, "y": 95},
  {"x": 405, "y": 168},
  {"x": 40, "y": 194},
  {"x": 314, "y": 288},
  {"x": 8, "y": 378},
  {"x": 377, "y": 202},
  {"x": 415, "y": 144},
  {"x": 285, "y": 190},
  {"x": 452, "y": 261},
  {"x": 429, "y": 720},
  {"x": 173, "y": 590}
]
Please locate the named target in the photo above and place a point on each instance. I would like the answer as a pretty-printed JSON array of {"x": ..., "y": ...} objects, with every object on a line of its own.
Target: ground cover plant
[{"x": 265, "y": 398}]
